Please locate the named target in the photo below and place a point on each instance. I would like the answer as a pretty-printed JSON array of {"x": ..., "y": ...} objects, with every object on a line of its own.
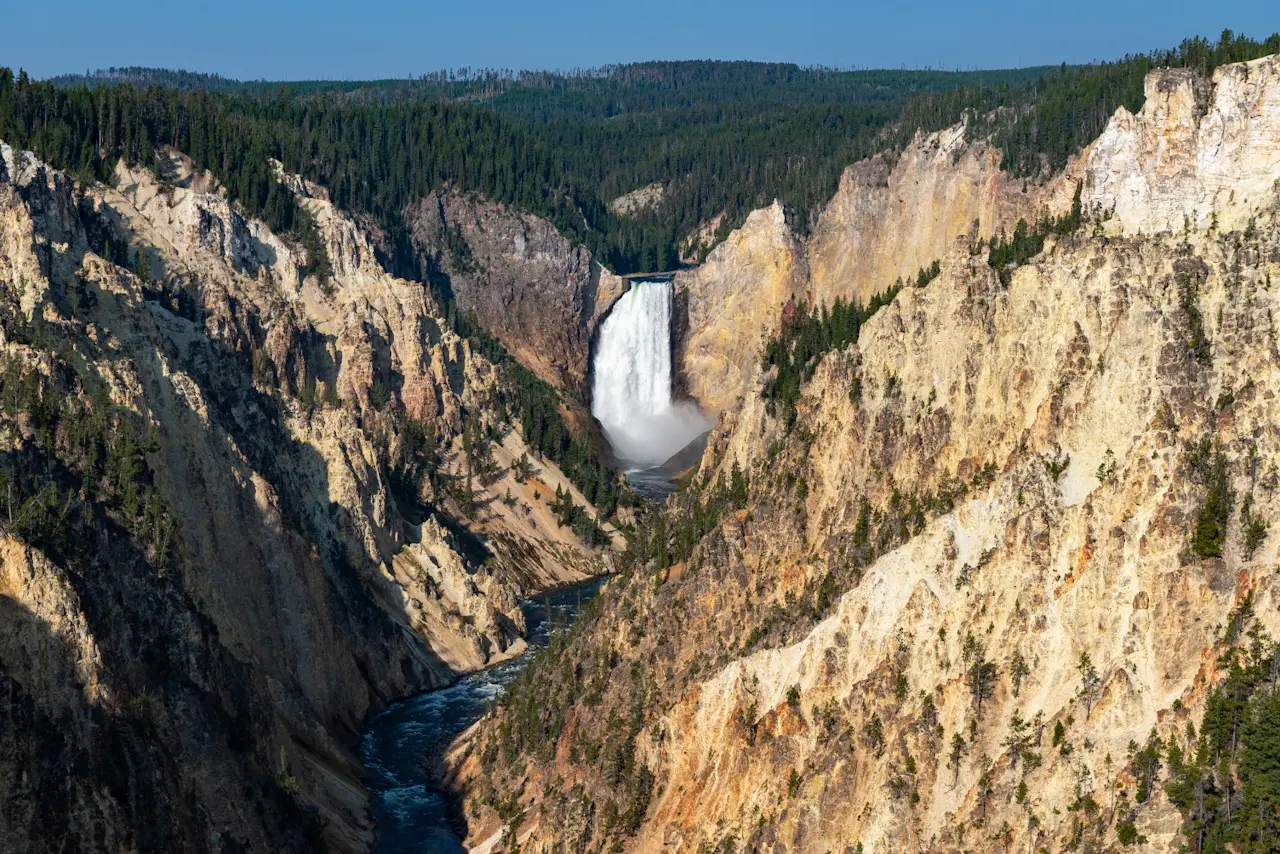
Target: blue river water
[
  {"x": 411, "y": 814},
  {"x": 652, "y": 483}
]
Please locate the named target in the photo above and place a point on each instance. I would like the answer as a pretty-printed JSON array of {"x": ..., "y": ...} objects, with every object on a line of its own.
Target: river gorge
[{"x": 402, "y": 744}]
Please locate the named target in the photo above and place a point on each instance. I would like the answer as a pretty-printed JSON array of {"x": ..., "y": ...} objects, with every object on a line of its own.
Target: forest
[{"x": 723, "y": 137}]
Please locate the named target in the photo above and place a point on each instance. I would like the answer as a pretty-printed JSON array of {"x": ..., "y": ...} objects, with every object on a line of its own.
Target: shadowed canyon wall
[{"x": 234, "y": 549}]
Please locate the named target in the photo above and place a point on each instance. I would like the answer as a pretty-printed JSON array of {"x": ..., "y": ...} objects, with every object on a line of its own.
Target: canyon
[
  {"x": 540, "y": 295},
  {"x": 310, "y": 577},
  {"x": 963, "y": 591},
  {"x": 261, "y": 486}
]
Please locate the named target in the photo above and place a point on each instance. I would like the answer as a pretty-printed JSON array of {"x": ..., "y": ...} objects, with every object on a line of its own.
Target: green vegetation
[
  {"x": 808, "y": 334},
  {"x": 724, "y": 137},
  {"x": 1020, "y": 741},
  {"x": 80, "y": 463},
  {"x": 737, "y": 135},
  {"x": 1226, "y": 781},
  {"x": 1019, "y": 670},
  {"x": 671, "y": 537},
  {"x": 571, "y": 515},
  {"x": 1026, "y": 242},
  {"x": 1189, "y": 303},
  {"x": 873, "y": 734},
  {"x": 538, "y": 706},
  {"x": 956, "y": 755},
  {"x": 1254, "y": 527},
  {"x": 1089, "y": 680},
  {"x": 371, "y": 160},
  {"x": 137, "y": 75},
  {"x": 1044, "y": 122},
  {"x": 1127, "y": 833},
  {"x": 979, "y": 673},
  {"x": 1210, "y": 532},
  {"x": 1146, "y": 765},
  {"x": 537, "y": 408},
  {"x": 605, "y": 92}
]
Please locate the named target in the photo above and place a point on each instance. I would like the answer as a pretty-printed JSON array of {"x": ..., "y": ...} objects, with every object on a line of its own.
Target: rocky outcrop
[
  {"x": 447, "y": 601},
  {"x": 892, "y": 215},
  {"x": 964, "y": 587},
  {"x": 537, "y": 293},
  {"x": 733, "y": 304},
  {"x": 639, "y": 201},
  {"x": 1199, "y": 153},
  {"x": 895, "y": 215},
  {"x": 203, "y": 689}
]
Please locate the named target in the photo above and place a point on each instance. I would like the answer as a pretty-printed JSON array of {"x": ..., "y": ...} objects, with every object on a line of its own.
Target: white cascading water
[{"x": 631, "y": 389}]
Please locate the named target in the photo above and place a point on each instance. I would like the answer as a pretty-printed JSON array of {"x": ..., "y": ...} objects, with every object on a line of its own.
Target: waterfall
[{"x": 631, "y": 389}]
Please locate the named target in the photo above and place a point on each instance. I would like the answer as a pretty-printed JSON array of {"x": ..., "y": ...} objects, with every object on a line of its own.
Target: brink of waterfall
[{"x": 631, "y": 388}]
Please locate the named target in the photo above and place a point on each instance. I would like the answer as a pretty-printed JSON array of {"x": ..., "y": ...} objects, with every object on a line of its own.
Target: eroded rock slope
[
  {"x": 1008, "y": 542},
  {"x": 528, "y": 285},
  {"x": 234, "y": 519}
]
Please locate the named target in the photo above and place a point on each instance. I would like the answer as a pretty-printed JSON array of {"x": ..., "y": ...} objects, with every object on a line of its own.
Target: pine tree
[{"x": 142, "y": 266}]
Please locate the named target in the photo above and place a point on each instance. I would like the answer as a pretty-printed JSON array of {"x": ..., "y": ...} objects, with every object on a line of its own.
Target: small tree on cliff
[
  {"x": 956, "y": 756},
  {"x": 737, "y": 487},
  {"x": 1089, "y": 681},
  {"x": 980, "y": 674}
]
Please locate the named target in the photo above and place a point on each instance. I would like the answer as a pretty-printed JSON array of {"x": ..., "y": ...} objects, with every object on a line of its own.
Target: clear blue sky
[{"x": 354, "y": 39}]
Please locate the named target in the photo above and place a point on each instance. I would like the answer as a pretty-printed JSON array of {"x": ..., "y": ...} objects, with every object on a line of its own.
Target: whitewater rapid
[{"x": 631, "y": 391}]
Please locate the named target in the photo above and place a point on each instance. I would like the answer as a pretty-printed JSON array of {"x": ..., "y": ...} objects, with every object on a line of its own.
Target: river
[
  {"x": 653, "y": 483},
  {"x": 410, "y": 813}
]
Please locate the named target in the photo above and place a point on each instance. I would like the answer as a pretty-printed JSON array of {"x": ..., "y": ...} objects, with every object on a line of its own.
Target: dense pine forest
[{"x": 723, "y": 137}]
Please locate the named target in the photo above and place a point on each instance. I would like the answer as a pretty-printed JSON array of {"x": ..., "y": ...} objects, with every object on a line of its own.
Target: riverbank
[{"x": 401, "y": 743}]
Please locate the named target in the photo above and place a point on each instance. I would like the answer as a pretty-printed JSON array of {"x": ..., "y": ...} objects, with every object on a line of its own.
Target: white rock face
[
  {"x": 1195, "y": 148},
  {"x": 640, "y": 200}
]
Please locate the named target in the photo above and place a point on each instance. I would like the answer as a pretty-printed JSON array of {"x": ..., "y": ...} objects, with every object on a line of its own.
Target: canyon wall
[
  {"x": 1199, "y": 154},
  {"x": 988, "y": 563},
  {"x": 733, "y": 302},
  {"x": 536, "y": 292},
  {"x": 893, "y": 215},
  {"x": 267, "y": 556}
]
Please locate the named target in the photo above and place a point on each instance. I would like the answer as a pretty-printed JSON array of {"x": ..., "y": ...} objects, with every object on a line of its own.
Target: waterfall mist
[{"x": 631, "y": 387}]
